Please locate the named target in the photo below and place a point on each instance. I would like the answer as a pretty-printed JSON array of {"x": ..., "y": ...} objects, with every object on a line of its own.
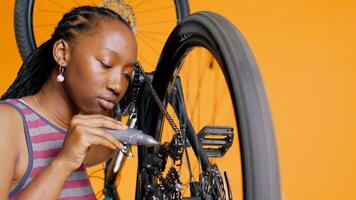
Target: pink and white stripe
[{"x": 44, "y": 141}]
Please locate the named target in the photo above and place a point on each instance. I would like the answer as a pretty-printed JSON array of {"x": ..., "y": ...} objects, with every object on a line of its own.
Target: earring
[{"x": 60, "y": 77}]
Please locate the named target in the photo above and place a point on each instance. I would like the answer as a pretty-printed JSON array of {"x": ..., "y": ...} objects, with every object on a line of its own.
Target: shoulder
[
  {"x": 9, "y": 115},
  {"x": 11, "y": 125}
]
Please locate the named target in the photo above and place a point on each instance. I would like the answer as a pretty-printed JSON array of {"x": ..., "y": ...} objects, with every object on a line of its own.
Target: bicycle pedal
[{"x": 216, "y": 140}]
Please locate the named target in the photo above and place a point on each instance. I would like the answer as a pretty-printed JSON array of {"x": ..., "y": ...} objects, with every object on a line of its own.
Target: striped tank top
[{"x": 44, "y": 141}]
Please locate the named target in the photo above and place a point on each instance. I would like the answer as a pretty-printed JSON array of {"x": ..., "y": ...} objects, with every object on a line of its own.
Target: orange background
[{"x": 304, "y": 50}]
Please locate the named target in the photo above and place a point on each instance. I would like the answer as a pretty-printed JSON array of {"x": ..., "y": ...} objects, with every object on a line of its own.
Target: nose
[{"x": 115, "y": 83}]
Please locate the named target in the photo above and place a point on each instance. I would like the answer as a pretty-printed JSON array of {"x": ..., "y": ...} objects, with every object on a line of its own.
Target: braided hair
[{"x": 38, "y": 66}]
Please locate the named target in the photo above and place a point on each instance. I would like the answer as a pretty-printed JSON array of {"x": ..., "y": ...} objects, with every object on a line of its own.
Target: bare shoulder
[
  {"x": 11, "y": 124},
  {"x": 9, "y": 116},
  {"x": 10, "y": 128}
]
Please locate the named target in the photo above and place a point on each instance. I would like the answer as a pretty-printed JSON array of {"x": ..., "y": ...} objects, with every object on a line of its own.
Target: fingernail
[{"x": 122, "y": 127}]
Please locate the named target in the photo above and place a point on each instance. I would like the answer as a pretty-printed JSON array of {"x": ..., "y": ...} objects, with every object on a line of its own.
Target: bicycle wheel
[
  {"x": 35, "y": 21},
  {"x": 222, "y": 88}
]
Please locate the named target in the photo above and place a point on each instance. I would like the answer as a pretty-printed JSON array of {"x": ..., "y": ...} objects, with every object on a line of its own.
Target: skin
[{"x": 97, "y": 65}]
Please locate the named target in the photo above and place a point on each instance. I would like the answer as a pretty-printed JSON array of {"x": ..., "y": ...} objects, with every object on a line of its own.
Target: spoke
[
  {"x": 146, "y": 60},
  {"x": 158, "y": 22},
  {"x": 152, "y": 10},
  {"x": 147, "y": 44},
  {"x": 48, "y": 11},
  {"x": 216, "y": 93},
  {"x": 153, "y": 39},
  {"x": 187, "y": 182},
  {"x": 220, "y": 101},
  {"x": 186, "y": 91},
  {"x": 152, "y": 32},
  {"x": 44, "y": 25},
  {"x": 140, "y": 4},
  {"x": 58, "y": 4},
  {"x": 188, "y": 160},
  {"x": 196, "y": 103}
]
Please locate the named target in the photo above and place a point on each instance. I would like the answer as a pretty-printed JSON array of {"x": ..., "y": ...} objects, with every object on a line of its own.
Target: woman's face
[{"x": 100, "y": 66}]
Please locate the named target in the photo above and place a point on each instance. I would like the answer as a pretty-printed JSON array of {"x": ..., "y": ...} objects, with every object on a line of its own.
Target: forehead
[{"x": 108, "y": 34}]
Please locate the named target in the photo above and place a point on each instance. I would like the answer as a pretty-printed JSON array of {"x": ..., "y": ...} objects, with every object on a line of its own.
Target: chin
[{"x": 96, "y": 109}]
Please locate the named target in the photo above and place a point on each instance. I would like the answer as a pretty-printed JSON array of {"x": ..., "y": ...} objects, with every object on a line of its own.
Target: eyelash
[
  {"x": 127, "y": 76},
  {"x": 105, "y": 65}
]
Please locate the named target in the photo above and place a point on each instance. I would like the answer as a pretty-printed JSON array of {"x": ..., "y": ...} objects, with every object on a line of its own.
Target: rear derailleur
[{"x": 169, "y": 187}]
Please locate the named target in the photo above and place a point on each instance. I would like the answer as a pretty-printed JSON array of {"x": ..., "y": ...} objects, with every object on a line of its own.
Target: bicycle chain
[{"x": 165, "y": 112}]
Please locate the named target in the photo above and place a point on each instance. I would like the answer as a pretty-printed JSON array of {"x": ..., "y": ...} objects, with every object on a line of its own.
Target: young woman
[{"x": 54, "y": 116}]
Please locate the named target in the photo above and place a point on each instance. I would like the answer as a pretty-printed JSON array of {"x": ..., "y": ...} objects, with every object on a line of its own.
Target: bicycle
[{"x": 243, "y": 131}]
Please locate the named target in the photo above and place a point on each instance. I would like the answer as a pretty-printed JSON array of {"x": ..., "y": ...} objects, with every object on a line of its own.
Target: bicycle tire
[
  {"x": 256, "y": 135},
  {"x": 23, "y": 22}
]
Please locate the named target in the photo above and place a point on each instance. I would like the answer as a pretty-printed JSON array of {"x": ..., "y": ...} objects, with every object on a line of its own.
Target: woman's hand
[{"x": 84, "y": 131}]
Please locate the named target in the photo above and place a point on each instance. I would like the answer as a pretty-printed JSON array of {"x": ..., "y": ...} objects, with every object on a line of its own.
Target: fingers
[
  {"x": 96, "y": 125},
  {"x": 97, "y": 140},
  {"x": 99, "y": 121},
  {"x": 102, "y": 137}
]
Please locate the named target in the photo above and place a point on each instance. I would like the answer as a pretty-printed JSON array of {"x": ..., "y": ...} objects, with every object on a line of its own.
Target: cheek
[
  {"x": 87, "y": 75},
  {"x": 83, "y": 82}
]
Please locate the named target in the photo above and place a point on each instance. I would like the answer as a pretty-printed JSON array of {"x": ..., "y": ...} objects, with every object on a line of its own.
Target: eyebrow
[
  {"x": 117, "y": 53},
  {"x": 112, "y": 51}
]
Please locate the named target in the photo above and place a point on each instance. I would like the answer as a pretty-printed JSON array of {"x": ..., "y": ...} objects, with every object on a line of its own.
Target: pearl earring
[{"x": 60, "y": 77}]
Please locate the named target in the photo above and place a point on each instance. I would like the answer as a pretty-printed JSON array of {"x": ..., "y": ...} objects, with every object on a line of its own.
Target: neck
[{"x": 53, "y": 98}]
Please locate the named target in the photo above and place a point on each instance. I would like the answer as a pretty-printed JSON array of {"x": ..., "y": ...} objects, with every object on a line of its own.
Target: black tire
[
  {"x": 256, "y": 135},
  {"x": 25, "y": 39},
  {"x": 23, "y": 23}
]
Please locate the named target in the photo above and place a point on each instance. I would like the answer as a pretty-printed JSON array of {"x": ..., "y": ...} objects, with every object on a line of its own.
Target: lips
[{"x": 106, "y": 103}]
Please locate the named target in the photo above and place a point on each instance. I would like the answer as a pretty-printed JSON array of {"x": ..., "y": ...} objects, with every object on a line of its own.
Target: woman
[{"x": 45, "y": 144}]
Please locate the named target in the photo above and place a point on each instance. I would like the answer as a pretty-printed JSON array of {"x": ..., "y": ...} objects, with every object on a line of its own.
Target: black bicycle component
[
  {"x": 128, "y": 102},
  {"x": 176, "y": 100},
  {"x": 216, "y": 140},
  {"x": 195, "y": 189},
  {"x": 152, "y": 166},
  {"x": 176, "y": 148},
  {"x": 213, "y": 184},
  {"x": 169, "y": 187},
  {"x": 159, "y": 103},
  {"x": 177, "y": 143},
  {"x": 255, "y": 131},
  {"x": 228, "y": 185}
]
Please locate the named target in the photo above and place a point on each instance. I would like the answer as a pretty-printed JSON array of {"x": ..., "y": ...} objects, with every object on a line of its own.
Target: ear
[{"x": 61, "y": 52}]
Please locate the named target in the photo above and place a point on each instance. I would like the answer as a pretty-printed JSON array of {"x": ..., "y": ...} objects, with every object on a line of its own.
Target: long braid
[{"x": 37, "y": 67}]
